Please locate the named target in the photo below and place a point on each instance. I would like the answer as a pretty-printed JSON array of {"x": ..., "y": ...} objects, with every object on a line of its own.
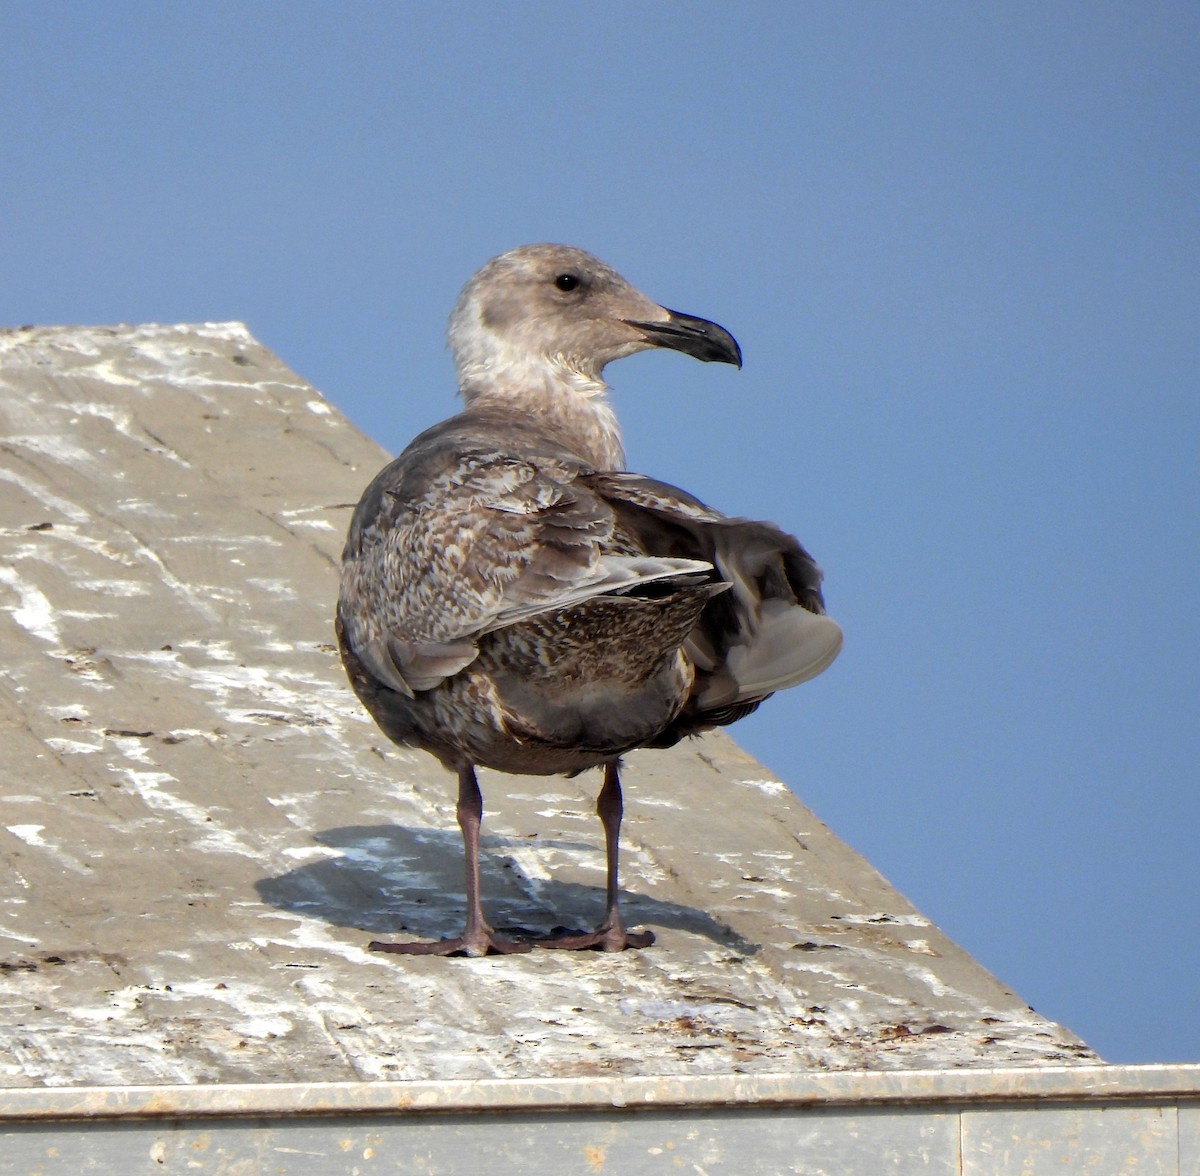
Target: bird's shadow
[{"x": 389, "y": 879}]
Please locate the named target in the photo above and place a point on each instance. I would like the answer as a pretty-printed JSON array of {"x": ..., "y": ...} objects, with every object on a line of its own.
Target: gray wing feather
[
  {"x": 443, "y": 551},
  {"x": 770, "y": 631}
]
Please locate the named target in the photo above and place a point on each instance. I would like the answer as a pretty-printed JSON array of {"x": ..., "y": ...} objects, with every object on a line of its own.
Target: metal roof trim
[{"x": 1102, "y": 1083}]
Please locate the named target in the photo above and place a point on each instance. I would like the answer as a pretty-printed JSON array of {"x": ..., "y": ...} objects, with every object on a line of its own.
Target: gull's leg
[
  {"x": 478, "y": 938},
  {"x": 611, "y": 934}
]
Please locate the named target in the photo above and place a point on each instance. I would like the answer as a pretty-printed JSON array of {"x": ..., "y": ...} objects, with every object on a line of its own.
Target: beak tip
[{"x": 722, "y": 348}]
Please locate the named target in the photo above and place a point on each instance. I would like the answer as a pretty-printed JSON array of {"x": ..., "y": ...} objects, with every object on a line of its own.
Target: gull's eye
[{"x": 567, "y": 282}]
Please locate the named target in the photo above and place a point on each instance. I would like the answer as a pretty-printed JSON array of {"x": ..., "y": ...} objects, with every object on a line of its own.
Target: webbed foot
[
  {"x": 608, "y": 937},
  {"x": 479, "y": 944}
]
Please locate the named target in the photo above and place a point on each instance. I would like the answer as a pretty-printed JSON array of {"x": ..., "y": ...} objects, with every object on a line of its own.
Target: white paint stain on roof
[{"x": 32, "y": 611}]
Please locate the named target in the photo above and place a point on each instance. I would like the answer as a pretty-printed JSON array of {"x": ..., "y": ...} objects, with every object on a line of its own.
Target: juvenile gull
[{"x": 512, "y": 599}]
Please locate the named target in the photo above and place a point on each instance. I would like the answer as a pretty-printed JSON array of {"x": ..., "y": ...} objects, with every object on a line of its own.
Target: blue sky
[{"x": 960, "y": 247}]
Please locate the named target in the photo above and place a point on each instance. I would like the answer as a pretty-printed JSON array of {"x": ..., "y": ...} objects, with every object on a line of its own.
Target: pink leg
[
  {"x": 477, "y": 939},
  {"x": 611, "y": 934}
]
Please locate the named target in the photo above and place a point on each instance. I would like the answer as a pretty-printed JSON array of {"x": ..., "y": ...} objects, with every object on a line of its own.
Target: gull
[{"x": 513, "y": 598}]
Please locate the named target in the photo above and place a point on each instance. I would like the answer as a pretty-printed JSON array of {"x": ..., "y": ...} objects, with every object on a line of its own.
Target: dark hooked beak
[{"x": 693, "y": 336}]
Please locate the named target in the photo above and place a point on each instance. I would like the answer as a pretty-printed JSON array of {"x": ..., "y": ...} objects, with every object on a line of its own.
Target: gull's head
[{"x": 553, "y": 309}]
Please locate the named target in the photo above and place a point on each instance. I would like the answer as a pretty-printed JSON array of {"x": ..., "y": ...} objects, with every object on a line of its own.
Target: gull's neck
[{"x": 572, "y": 404}]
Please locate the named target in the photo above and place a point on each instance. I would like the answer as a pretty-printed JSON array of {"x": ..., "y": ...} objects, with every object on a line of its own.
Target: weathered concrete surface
[{"x": 200, "y": 831}]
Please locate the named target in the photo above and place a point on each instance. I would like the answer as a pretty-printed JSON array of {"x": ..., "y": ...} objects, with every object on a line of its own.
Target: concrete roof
[{"x": 200, "y": 830}]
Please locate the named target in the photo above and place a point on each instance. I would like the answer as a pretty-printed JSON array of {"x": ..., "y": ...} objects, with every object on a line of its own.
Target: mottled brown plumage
[{"x": 512, "y": 599}]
